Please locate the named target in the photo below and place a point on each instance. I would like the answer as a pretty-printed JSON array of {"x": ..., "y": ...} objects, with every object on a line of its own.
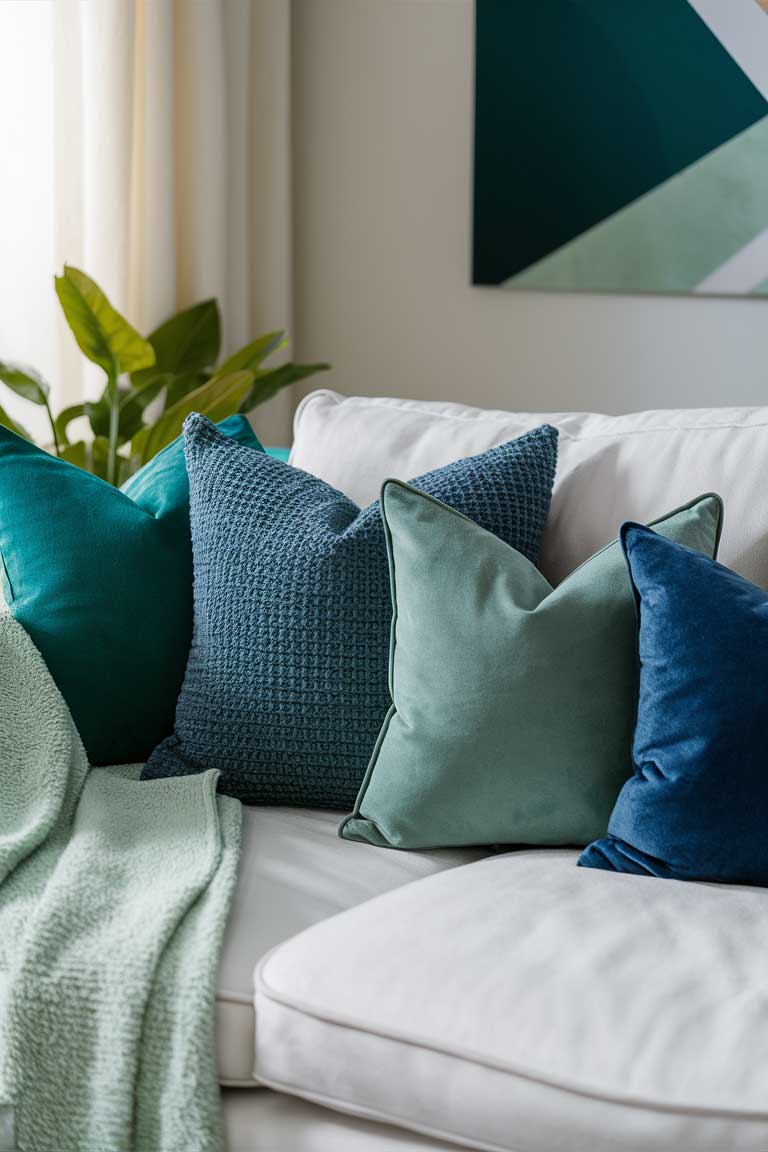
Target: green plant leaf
[
  {"x": 65, "y": 418},
  {"x": 76, "y": 453},
  {"x": 270, "y": 381},
  {"x": 99, "y": 462},
  {"x": 127, "y": 466},
  {"x": 180, "y": 386},
  {"x": 8, "y": 422},
  {"x": 24, "y": 382},
  {"x": 103, "y": 335},
  {"x": 216, "y": 399},
  {"x": 94, "y": 457},
  {"x": 130, "y": 422},
  {"x": 146, "y": 392},
  {"x": 135, "y": 400},
  {"x": 188, "y": 341},
  {"x": 97, "y": 412},
  {"x": 99, "y": 456},
  {"x": 252, "y": 355},
  {"x": 132, "y": 402}
]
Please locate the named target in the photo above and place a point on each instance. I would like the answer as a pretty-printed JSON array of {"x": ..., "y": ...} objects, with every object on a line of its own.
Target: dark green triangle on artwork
[{"x": 581, "y": 107}]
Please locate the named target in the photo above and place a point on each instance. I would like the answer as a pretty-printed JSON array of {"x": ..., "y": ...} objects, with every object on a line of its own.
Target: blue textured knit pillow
[
  {"x": 696, "y": 807},
  {"x": 286, "y": 684}
]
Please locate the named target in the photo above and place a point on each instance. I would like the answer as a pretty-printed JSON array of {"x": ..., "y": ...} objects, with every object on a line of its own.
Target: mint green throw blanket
[{"x": 113, "y": 899}]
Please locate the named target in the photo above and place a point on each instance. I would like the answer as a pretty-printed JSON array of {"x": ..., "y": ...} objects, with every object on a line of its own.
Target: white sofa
[{"x": 383, "y": 1001}]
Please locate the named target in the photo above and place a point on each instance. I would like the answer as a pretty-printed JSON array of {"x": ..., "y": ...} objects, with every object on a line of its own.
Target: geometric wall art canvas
[{"x": 622, "y": 146}]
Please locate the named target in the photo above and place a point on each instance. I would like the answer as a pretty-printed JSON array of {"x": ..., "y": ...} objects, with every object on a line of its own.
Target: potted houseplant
[{"x": 151, "y": 384}]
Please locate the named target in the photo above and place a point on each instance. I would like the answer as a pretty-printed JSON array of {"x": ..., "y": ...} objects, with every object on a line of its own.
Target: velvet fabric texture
[
  {"x": 101, "y": 579},
  {"x": 286, "y": 685},
  {"x": 513, "y": 702},
  {"x": 696, "y": 807}
]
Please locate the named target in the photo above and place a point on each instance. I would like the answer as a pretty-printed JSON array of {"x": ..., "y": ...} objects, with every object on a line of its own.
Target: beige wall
[{"x": 383, "y": 122}]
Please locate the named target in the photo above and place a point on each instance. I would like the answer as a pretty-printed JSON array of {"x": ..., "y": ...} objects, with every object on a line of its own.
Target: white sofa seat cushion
[
  {"x": 293, "y": 872},
  {"x": 523, "y": 1004},
  {"x": 610, "y": 468}
]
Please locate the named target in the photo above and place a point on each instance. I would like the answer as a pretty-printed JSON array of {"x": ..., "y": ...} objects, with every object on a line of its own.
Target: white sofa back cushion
[{"x": 610, "y": 468}]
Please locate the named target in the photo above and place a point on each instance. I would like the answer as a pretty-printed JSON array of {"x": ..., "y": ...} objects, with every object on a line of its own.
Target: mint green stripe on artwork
[
  {"x": 673, "y": 237},
  {"x": 761, "y": 289}
]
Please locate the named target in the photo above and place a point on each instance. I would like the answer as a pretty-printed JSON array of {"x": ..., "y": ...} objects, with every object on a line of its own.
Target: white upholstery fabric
[
  {"x": 527, "y": 1005},
  {"x": 266, "y": 1121},
  {"x": 295, "y": 871},
  {"x": 610, "y": 468}
]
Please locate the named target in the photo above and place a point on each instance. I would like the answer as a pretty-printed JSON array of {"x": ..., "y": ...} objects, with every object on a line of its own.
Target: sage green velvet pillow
[{"x": 513, "y": 702}]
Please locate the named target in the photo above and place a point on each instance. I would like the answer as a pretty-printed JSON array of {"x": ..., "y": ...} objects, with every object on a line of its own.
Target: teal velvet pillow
[
  {"x": 279, "y": 453},
  {"x": 101, "y": 580},
  {"x": 513, "y": 702}
]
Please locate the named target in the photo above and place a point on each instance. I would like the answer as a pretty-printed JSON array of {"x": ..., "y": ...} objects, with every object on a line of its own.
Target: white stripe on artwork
[
  {"x": 743, "y": 272},
  {"x": 741, "y": 26}
]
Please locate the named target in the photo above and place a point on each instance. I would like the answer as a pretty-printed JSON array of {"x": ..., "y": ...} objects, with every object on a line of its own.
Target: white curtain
[{"x": 159, "y": 135}]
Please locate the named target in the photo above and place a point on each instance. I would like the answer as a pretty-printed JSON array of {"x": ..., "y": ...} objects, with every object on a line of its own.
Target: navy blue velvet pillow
[
  {"x": 286, "y": 683},
  {"x": 696, "y": 807}
]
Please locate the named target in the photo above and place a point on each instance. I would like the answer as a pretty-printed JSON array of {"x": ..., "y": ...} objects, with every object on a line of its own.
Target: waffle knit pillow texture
[
  {"x": 101, "y": 579},
  {"x": 696, "y": 807},
  {"x": 286, "y": 684},
  {"x": 513, "y": 702}
]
